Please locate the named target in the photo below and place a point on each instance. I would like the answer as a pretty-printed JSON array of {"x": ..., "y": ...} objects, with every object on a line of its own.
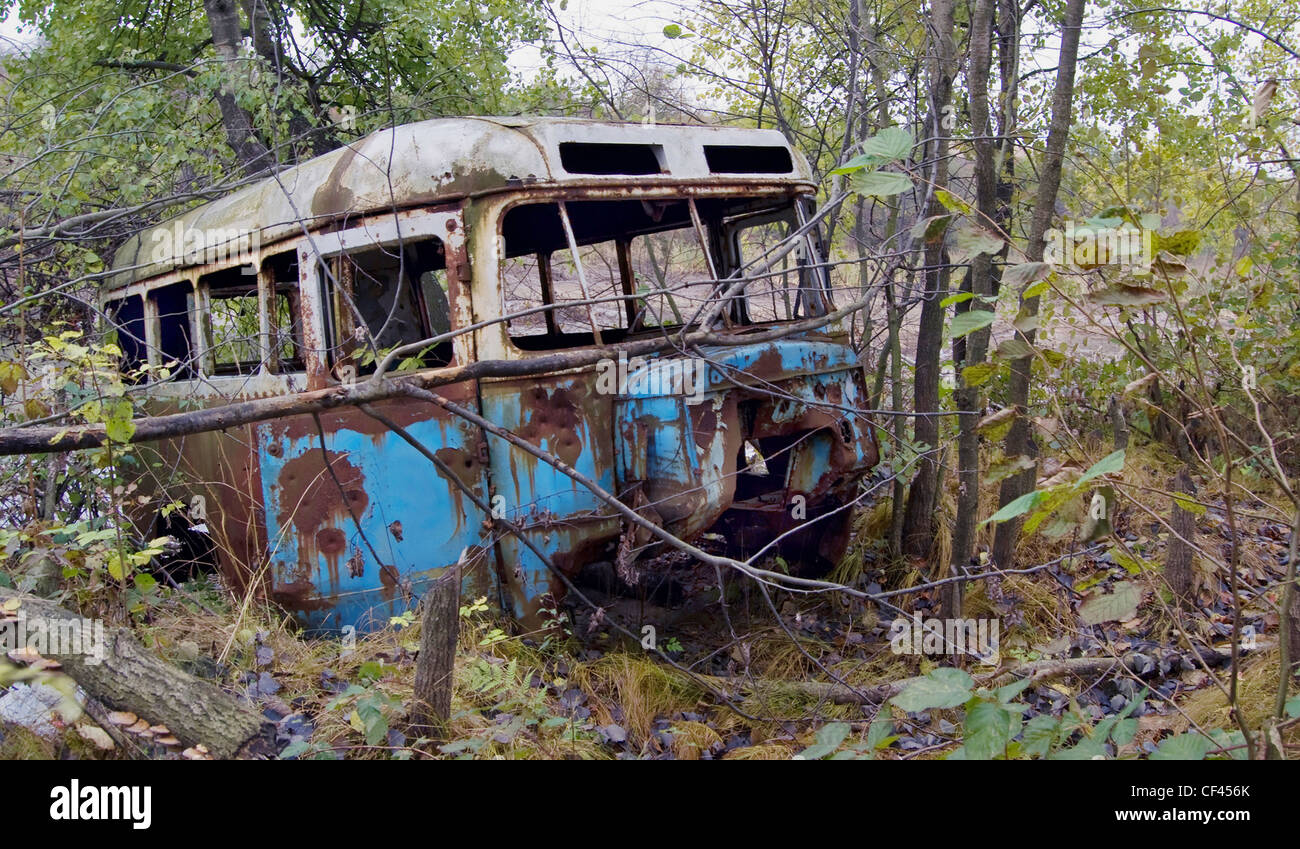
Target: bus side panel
[
  {"x": 209, "y": 482},
  {"x": 357, "y": 539},
  {"x": 564, "y": 416}
]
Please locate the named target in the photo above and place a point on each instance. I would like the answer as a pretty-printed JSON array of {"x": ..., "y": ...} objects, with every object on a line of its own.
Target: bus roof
[{"x": 445, "y": 159}]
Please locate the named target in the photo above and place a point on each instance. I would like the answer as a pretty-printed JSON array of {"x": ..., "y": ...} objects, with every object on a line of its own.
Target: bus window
[
  {"x": 285, "y": 344},
  {"x": 384, "y": 297},
  {"x": 127, "y": 315},
  {"x": 231, "y": 323},
  {"x": 649, "y": 253},
  {"x": 774, "y": 296},
  {"x": 175, "y": 351},
  {"x": 671, "y": 273}
]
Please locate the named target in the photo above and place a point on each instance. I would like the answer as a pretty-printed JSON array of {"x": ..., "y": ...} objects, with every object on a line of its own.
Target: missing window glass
[
  {"x": 603, "y": 158},
  {"x": 748, "y": 159}
]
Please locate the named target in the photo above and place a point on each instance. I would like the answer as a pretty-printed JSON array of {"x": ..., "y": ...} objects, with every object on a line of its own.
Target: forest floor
[{"x": 738, "y": 679}]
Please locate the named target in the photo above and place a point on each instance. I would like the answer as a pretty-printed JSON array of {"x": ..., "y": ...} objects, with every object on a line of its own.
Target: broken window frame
[
  {"x": 381, "y": 232},
  {"x": 709, "y": 236}
]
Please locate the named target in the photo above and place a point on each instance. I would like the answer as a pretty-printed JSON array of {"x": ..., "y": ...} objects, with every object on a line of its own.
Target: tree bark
[
  {"x": 131, "y": 678},
  {"x": 1118, "y": 423},
  {"x": 223, "y": 20},
  {"x": 1179, "y": 555},
  {"x": 973, "y": 348},
  {"x": 1019, "y": 440},
  {"x": 918, "y": 522},
  {"x": 439, "y": 630}
]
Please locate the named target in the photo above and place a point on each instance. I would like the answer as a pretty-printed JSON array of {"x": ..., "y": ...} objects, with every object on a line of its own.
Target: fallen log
[
  {"x": 1134, "y": 663},
  {"x": 125, "y": 676}
]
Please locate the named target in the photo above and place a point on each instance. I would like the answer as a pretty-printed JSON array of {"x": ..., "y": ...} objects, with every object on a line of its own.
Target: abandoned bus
[{"x": 518, "y": 242}]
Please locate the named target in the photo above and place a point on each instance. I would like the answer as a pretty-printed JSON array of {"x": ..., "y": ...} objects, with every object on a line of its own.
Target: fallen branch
[
  {"x": 1136, "y": 664},
  {"x": 47, "y": 438}
]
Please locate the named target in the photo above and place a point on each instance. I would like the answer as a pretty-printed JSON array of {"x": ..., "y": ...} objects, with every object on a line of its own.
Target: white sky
[
  {"x": 9, "y": 32},
  {"x": 605, "y": 21},
  {"x": 599, "y": 22}
]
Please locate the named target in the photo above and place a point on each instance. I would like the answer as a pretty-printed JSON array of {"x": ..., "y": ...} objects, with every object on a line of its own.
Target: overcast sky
[{"x": 619, "y": 19}]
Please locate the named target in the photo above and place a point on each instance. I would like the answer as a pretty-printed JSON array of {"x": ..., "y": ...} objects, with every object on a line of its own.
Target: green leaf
[
  {"x": 1107, "y": 465},
  {"x": 1132, "y": 564},
  {"x": 1233, "y": 740},
  {"x": 1124, "y": 731},
  {"x": 970, "y": 321},
  {"x": 1025, "y": 322},
  {"x": 978, "y": 374},
  {"x": 1293, "y": 706},
  {"x": 1018, "y": 507},
  {"x": 673, "y": 31},
  {"x": 889, "y": 144},
  {"x": 945, "y": 687},
  {"x": 932, "y": 229},
  {"x": 858, "y": 163},
  {"x": 989, "y": 727},
  {"x": 118, "y": 424},
  {"x": 880, "y": 734},
  {"x": 829, "y": 738},
  {"x": 1014, "y": 349},
  {"x": 1116, "y": 606},
  {"x": 880, "y": 183},
  {"x": 1184, "y": 747},
  {"x": 117, "y": 568},
  {"x": 1036, "y": 289},
  {"x": 1185, "y": 502},
  {"x": 1087, "y": 750},
  {"x": 1008, "y": 692},
  {"x": 1040, "y": 734},
  {"x": 952, "y": 203},
  {"x": 294, "y": 749}
]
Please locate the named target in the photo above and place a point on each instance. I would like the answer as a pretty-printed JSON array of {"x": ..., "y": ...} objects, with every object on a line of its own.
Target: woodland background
[{"x": 1009, "y": 390}]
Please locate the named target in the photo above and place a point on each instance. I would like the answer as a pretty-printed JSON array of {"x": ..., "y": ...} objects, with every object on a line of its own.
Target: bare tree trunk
[
  {"x": 973, "y": 348},
  {"x": 1118, "y": 423},
  {"x": 266, "y": 34},
  {"x": 1019, "y": 439},
  {"x": 223, "y": 20},
  {"x": 1178, "y": 558},
  {"x": 918, "y": 522},
  {"x": 439, "y": 630}
]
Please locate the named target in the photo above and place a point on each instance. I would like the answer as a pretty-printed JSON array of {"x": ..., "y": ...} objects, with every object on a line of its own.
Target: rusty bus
[{"x": 508, "y": 240}]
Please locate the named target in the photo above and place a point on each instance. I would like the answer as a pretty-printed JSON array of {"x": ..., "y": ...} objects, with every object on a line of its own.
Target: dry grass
[
  {"x": 778, "y": 751},
  {"x": 640, "y": 687},
  {"x": 1256, "y": 693},
  {"x": 1038, "y": 602}
]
